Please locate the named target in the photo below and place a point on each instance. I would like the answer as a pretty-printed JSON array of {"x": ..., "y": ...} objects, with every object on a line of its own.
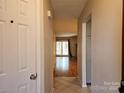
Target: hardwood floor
[{"x": 66, "y": 67}]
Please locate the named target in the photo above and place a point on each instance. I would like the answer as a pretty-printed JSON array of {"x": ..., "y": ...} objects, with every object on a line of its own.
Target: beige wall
[
  {"x": 79, "y": 50},
  {"x": 65, "y": 26},
  {"x": 106, "y": 41},
  {"x": 47, "y": 48},
  {"x": 73, "y": 46}
]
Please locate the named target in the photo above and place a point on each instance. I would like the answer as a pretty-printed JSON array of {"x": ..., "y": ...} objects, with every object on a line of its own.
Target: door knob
[{"x": 33, "y": 76}]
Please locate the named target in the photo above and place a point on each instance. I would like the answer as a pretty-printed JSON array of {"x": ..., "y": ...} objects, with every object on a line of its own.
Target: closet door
[
  {"x": 6, "y": 55},
  {"x": 17, "y": 46}
]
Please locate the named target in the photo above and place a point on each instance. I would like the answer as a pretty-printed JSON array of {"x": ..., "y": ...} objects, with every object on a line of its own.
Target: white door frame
[
  {"x": 40, "y": 46},
  {"x": 84, "y": 54}
]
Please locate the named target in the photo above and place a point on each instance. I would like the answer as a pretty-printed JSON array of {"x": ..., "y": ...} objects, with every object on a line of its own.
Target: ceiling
[
  {"x": 66, "y": 13},
  {"x": 68, "y": 8},
  {"x": 65, "y": 27}
]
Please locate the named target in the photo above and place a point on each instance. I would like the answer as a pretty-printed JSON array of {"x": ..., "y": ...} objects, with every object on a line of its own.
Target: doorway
[
  {"x": 62, "y": 48},
  {"x": 88, "y": 52},
  {"x": 66, "y": 57},
  {"x": 66, "y": 64}
]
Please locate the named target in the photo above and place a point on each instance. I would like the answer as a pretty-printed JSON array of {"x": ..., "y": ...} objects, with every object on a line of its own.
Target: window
[{"x": 62, "y": 48}]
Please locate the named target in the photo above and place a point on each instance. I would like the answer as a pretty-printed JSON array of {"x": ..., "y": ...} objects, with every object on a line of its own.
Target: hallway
[
  {"x": 66, "y": 80},
  {"x": 89, "y": 31},
  {"x": 68, "y": 85}
]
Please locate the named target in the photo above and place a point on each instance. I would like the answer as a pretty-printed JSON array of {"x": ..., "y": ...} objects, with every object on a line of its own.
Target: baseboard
[
  {"x": 52, "y": 91},
  {"x": 81, "y": 83},
  {"x": 84, "y": 85}
]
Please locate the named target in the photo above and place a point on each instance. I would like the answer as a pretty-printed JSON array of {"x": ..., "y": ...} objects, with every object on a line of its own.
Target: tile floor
[{"x": 68, "y": 85}]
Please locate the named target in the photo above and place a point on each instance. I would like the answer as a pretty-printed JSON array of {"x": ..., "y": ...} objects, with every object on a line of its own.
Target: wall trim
[
  {"x": 84, "y": 55},
  {"x": 39, "y": 47},
  {"x": 53, "y": 90}
]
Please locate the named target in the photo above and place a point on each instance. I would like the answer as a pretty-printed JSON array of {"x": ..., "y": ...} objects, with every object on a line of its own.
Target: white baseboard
[
  {"x": 52, "y": 91},
  {"x": 84, "y": 85}
]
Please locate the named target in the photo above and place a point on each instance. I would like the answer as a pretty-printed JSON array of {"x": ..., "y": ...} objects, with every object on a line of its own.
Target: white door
[{"x": 17, "y": 46}]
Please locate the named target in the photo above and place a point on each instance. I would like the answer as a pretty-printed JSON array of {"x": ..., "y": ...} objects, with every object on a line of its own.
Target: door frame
[
  {"x": 84, "y": 54},
  {"x": 39, "y": 48},
  {"x": 84, "y": 48},
  {"x": 123, "y": 43},
  {"x": 88, "y": 69},
  {"x": 121, "y": 89}
]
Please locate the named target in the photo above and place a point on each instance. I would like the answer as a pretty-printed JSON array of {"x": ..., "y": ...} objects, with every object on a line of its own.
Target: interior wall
[
  {"x": 73, "y": 44},
  {"x": 106, "y": 44},
  {"x": 79, "y": 52},
  {"x": 65, "y": 26},
  {"x": 47, "y": 47}
]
